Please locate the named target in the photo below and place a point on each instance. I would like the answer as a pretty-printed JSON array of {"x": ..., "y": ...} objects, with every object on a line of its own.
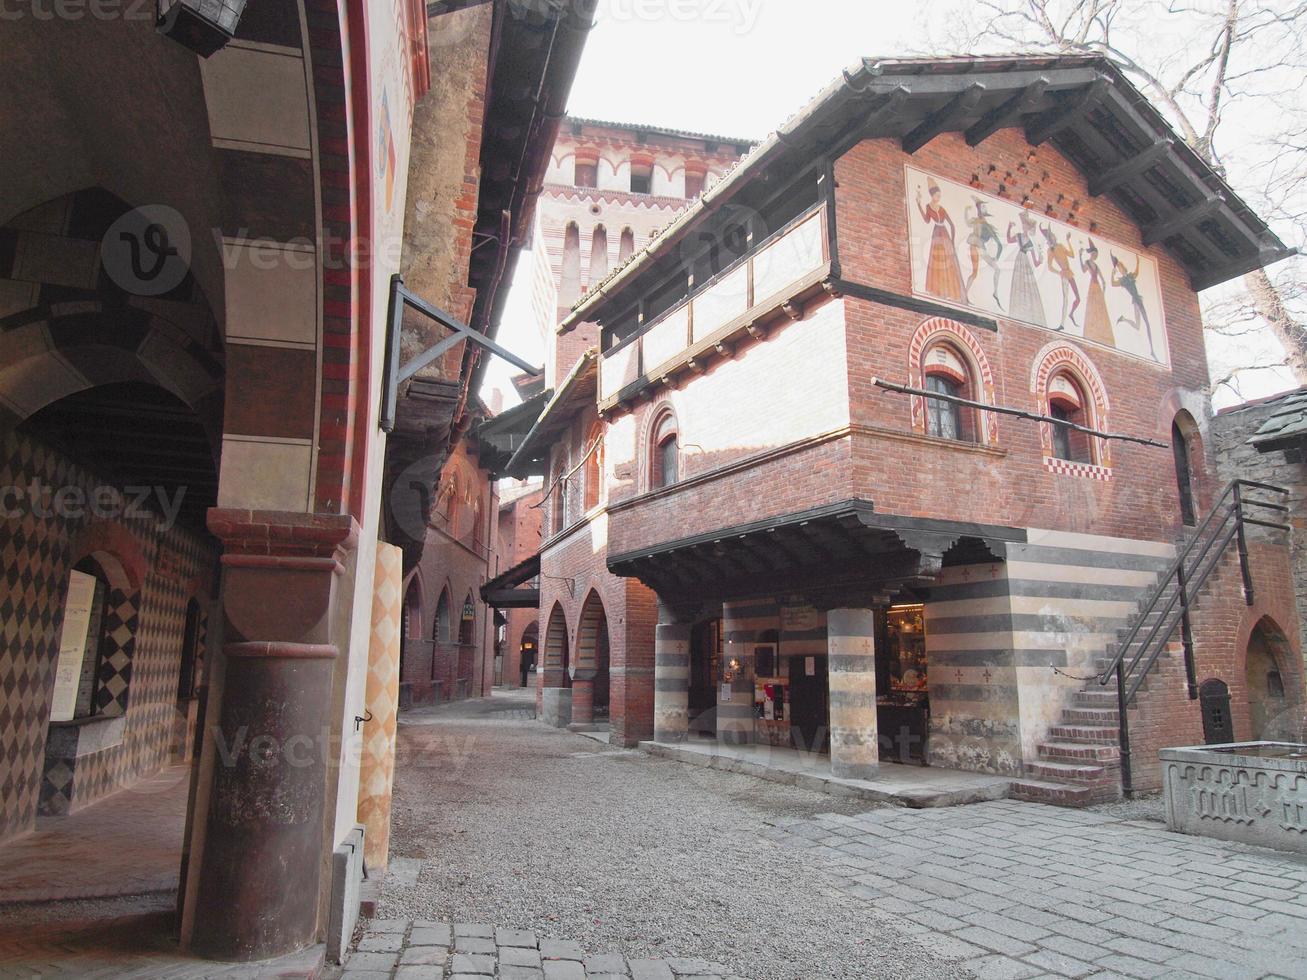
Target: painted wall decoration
[{"x": 988, "y": 254}]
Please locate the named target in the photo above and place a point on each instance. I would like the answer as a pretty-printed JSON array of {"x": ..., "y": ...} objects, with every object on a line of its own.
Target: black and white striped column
[
  {"x": 671, "y": 677},
  {"x": 851, "y": 643}
]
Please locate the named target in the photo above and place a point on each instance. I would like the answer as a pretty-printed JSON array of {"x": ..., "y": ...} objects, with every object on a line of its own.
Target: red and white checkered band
[
  {"x": 1066, "y": 467},
  {"x": 1048, "y": 361},
  {"x": 939, "y": 329}
]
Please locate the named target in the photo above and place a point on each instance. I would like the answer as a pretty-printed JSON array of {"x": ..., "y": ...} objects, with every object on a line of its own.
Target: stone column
[
  {"x": 381, "y": 699},
  {"x": 259, "y": 874},
  {"x": 735, "y": 718},
  {"x": 851, "y": 643},
  {"x": 671, "y": 676}
]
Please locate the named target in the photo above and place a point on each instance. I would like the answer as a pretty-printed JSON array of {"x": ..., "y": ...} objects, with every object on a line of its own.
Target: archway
[
  {"x": 528, "y": 649},
  {"x": 590, "y": 696},
  {"x": 556, "y": 694},
  {"x": 1268, "y": 659}
]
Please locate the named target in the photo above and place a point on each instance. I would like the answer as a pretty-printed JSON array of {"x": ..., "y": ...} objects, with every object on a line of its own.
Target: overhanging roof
[
  {"x": 500, "y": 436},
  {"x": 843, "y": 548},
  {"x": 1083, "y": 104},
  {"x": 738, "y": 142},
  {"x": 578, "y": 390}
]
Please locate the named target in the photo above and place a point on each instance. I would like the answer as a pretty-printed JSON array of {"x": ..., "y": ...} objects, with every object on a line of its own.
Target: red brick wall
[
  {"x": 1223, "y": 623},
  {"x": 457, "y": 558}
]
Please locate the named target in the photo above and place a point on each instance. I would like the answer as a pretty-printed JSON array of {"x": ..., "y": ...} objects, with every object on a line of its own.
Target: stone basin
[{"x": 1251, "y": 792}]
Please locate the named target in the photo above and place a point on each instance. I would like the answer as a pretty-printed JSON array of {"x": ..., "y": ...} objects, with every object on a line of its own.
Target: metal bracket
[{"x": 395, "y": 374}]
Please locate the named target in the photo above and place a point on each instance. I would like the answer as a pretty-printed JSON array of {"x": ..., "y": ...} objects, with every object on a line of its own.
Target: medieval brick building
[
  {"x": 216, "y": 471},
  {"x": 894, "y": 444}
]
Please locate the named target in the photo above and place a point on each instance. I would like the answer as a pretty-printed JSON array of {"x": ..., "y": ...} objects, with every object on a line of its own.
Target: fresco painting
[{"x": 990, "y": 255}]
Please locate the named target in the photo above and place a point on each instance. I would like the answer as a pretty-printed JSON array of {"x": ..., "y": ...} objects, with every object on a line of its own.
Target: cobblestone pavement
[
  {"x": 1014, "y": 890},
  {"x": 404, "y": 949}
]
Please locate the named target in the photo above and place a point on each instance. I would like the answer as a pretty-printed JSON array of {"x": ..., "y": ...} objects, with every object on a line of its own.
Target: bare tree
[{"x": 1229, "y": 75}]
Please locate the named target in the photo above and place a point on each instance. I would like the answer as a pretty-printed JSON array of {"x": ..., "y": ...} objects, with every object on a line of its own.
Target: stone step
[
  {"x": 1053, "y": 793},
  {"x": 1069, "y": 772},
  {"x": 1090, "y": 716},
  {"x": 1091, "y": 734},
  {"x": 1079, "y": 753},
  {"x": 1096, "y": 697}
]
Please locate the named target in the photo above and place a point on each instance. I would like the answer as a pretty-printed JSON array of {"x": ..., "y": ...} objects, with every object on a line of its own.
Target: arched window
[
  {"x": 1067, "y": 403},
  {"x": 627, "y": 248},
  {"x": 467, "y": 621},
  {"x": 569, "y": 287},
  {"x": 441, "y": 628},
  {"x": 947, "y": 372},
  {"x": 666, "y": 446},
  {"x": 1180, "y": 448},
  {"x": 594, "y": 466},
  {"x": 558, "y": 507},
  {"x": 598, "y": 256}
]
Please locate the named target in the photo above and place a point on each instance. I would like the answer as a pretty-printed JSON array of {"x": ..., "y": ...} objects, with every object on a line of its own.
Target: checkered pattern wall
[{"x": 141, "y": 652}]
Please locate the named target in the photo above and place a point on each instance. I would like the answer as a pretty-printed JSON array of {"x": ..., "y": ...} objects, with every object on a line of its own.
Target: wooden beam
[
  {"x": 1061, "y": 116},
  {"x": 943, "y": 118},
  {"x": 1113, "y": 177},
  {"x": 1181, "y": 220},
  {"x": 1007, "y": 112}
]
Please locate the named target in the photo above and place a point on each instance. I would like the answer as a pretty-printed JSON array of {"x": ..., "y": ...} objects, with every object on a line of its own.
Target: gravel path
[{"x": 531, "y": 828}]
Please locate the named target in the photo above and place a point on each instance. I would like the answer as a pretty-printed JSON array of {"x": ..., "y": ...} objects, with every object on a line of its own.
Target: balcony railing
[{"x": 735, "y": 297}]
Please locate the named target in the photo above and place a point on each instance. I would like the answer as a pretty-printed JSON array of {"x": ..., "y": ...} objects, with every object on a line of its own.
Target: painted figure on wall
[
  {"x": 1059, "y": 263},
  {"x": 1129, "y": 281},
  {"x": 1098, "y": 324},
  {"x": 943, "y": 275},
  {"x": 1024, "y": 301},
  {"x": 983, "y": 234},
  {"x": 1019, "y": 262}
]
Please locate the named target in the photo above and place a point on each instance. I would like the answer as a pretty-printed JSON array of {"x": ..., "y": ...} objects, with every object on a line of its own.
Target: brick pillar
[
  {"x": 851, "y": 643},
  {"x": 583, "y": 690},
  {"x": 671, "y": 677},
  {"x": 257, "y": 892}
]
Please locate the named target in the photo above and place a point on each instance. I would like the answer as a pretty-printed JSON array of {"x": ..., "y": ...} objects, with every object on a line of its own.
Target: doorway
[
  {"x": 705, "y": 674},
  {"x": 1218, "y": 726},
  {"x": 810, "y": 703}
]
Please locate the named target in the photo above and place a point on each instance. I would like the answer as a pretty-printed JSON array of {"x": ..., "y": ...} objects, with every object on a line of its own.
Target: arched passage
[
  {"x": 590, "y": 688},
  {"x": 1267, "y": 667},
  {"x": 528, "y": 650},
  {"x": 410, "y": 630}
]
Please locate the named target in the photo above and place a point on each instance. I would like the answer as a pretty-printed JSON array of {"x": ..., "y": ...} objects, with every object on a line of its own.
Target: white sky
[{"x": 739, "y": 68}]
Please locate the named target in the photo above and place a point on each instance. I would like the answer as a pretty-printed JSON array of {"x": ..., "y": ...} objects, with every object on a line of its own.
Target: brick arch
[
  {"x": 119, "y": 555},
  {"x": 942, "y": 330},
  {"x": 1056, "y": 357}
]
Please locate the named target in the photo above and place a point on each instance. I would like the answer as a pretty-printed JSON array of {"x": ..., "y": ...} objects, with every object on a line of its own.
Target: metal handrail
[{"x": 1189, "y": 573}]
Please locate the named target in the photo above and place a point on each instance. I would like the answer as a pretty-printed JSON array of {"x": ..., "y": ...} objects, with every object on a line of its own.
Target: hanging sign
[
  {"x": 469, "y": 611},
  {"x": 72, "y": 645}
]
